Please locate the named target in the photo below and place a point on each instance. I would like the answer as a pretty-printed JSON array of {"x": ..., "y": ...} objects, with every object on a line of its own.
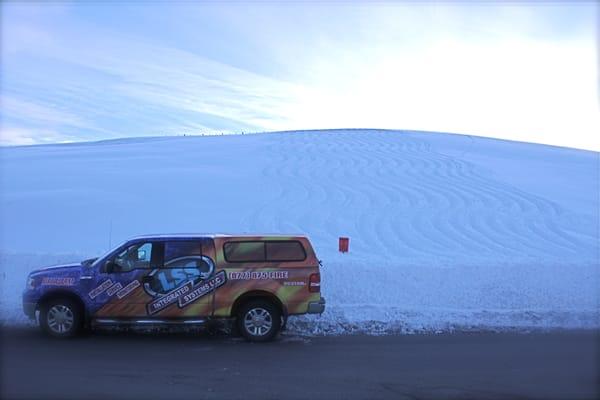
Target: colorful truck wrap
[{"x": 256, "y": 280}]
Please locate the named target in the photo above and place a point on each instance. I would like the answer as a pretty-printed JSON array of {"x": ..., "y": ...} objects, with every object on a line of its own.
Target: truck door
[
  {"x": 181, "y": 287},
  {"x": 118, "y": 291}
]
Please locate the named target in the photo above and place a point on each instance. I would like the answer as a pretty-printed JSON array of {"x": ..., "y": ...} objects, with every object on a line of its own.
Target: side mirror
[{"x": 141, "y": 255}]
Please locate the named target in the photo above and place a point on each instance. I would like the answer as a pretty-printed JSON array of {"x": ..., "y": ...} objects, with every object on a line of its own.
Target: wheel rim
[
  {"x": 60, "y": 319},
  {"x": 258, "y": 321}
]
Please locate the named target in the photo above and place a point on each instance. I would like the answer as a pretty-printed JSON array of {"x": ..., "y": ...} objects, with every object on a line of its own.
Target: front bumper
[
  {"x": 29, "y": 309},
  {"x": 316, "y": 307}
]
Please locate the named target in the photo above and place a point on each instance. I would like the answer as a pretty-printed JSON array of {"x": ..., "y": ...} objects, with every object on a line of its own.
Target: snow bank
[
  {"x": 384, "y": 297},
  {"x": 446, "y": 231}
]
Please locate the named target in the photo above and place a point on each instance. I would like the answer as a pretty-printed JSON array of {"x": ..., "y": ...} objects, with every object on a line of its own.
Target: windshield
[{"x": 95, "y": 260}]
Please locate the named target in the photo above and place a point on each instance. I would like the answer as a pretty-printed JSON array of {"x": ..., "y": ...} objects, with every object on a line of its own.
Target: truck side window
[
  {"x": 244, "y": 251},
  {"x": 134, "y": 257},
  {"x": 264, "y": 251},
  {"x": 183, "y": 254},
  {"x": 183, "y": 261},
  {"x": 285, "y": 251}
]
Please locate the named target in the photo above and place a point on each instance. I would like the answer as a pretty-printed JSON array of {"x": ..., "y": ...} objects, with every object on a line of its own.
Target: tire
[
  {"x": 259, "y": 321},
  {"x": 61, "y": 318}
]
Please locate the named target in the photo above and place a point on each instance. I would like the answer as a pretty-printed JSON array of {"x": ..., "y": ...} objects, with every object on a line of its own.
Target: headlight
[{"x": 30, "y": 283}]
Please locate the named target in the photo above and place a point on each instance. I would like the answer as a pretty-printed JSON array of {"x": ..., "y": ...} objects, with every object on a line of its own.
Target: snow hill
[{"x": 446, "y": 231}]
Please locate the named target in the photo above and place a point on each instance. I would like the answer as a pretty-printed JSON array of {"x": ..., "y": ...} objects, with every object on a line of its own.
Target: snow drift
[{"x": 446, "y": 231}]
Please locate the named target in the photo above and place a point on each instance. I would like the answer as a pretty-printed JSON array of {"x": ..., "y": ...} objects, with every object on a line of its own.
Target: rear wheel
[
  {"x": 259, "y": 321},
  {"x": 61, "y": 318}
]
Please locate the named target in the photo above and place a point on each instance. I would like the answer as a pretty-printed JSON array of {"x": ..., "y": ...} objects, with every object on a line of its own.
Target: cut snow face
[{"x": 446, "y": 231}]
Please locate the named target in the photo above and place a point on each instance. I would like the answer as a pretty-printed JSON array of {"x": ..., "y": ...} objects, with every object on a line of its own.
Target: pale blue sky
[{"x": 89, "y": 71}]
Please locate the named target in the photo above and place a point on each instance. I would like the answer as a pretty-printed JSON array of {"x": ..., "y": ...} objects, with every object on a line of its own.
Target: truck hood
[{"x": 57, "y": 269}]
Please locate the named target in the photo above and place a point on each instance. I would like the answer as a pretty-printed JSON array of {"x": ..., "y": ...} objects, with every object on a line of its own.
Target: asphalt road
[{"x": 562, "y": 365}]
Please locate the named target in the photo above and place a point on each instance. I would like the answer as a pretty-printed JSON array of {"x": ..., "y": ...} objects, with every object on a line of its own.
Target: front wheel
[
  {"x": 259, "y": 321},
  {"x": 61, "y": 318}
]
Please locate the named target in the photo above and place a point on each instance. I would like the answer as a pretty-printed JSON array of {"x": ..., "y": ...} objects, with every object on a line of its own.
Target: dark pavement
[{"x": 558, "y": 365}]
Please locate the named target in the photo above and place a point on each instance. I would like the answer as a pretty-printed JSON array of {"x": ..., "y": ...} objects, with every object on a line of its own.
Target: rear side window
[
  {"x": 285, "y": 251},
  {"x": 180, "y": 254},
  {"x": 244, "y": 251},
  {"x": 261, "y": 251}
]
